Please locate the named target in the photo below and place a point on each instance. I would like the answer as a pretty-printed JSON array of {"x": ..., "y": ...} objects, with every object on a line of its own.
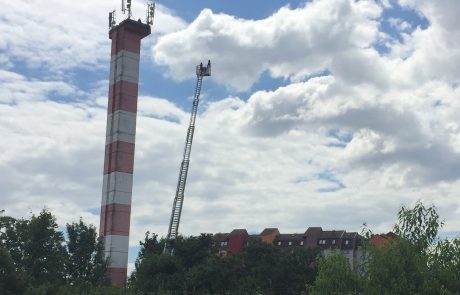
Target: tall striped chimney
[{"x": 119, "y": 146}]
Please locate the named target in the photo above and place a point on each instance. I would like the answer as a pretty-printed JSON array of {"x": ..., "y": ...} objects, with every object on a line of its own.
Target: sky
[{"x": 329, "y": 113}]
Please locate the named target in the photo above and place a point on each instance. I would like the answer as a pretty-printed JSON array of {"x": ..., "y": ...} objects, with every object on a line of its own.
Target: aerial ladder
[{"x": 201, "y": 71}]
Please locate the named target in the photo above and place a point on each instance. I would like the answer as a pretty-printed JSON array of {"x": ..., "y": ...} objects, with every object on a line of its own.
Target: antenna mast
[
  {"x": 112, "y": 20},
  {"x": 201, "y": 71},
  {"x": 126, "y": 8},
  {"x": 150, "y": 13}
]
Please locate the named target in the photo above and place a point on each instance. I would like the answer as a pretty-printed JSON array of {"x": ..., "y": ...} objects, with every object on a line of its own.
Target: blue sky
[
  {"x": 314, "y": 110},
  {"x": 257, "y": 9}
]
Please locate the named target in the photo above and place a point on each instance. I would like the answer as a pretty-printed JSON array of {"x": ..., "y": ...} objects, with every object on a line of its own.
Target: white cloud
[
  {"x": 17, "y": 88},
  {"x": 432, "y": 54},
  {"x": 292, "y": 43},
  {"x": 49, "y": 154},
  {"x": 61, "y": 35},
  {"x": 58, "y": 162}
]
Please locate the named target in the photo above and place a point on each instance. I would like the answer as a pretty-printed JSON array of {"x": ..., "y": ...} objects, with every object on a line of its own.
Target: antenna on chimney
[
  {"x": 112, "y": 20},
  {"x": 150, "y": 13},
  {"x": 126, "y": 6}
]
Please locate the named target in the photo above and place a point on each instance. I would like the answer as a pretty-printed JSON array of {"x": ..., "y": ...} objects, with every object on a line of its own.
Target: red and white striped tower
[{"x": 119, "y": 149}]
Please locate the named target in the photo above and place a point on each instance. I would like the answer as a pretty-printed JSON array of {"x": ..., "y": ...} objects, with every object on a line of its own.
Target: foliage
[
  {"x": 444, "y": 264},
  {"x": 396, "y": 269},
  {"x": 196, "y": 269},
  {"x": 414, "y": 263},
  {"x": 335, "y": 276},
  {"x": 9, "y": 281},
  {"x": 193, "y": 250},
  {"x": 35, "y": 255},
  {"x": 86, "y": 265},
  {"x": 216, "y": 275},
  {"x": 156, "y": 272},
  {"x": 419, "y": 225},
  {"x": 44, "y": 253},
  {"x": 12, "y": 238},
  {"x": 35, "y": 259}
]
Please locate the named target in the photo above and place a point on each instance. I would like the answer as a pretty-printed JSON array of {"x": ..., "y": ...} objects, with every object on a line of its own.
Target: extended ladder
[{"x": 201, "y": 71}]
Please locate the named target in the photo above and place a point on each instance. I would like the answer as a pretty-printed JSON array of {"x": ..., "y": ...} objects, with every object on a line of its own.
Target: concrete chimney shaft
[{"x": 119, "y": 146}]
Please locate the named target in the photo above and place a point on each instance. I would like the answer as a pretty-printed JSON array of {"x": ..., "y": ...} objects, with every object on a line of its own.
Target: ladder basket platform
[{"x": 203, "y": 71}]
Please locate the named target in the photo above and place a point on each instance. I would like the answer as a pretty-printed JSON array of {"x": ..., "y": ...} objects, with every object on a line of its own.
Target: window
[
  {"x": 301, "y": 243},
  {"x": 290, "y": 243},
  {"x": 347, "y": 242},
  {"x": 333, "y": 242},
  {"x": 279, "y": 243},
  {"x": 222, "y": 243},
  {"x": 322, "y": 242}
]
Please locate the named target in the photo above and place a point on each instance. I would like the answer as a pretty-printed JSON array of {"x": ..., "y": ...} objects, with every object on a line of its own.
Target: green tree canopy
[
  {"x": 417, "y": 262},
  {"x": 33, "y": 252},
  {"x": 86, "y": 265}
]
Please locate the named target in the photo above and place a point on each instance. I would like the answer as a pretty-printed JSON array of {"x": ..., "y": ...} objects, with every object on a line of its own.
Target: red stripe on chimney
[
  {"x": 115, "y": 220},
  {"x": 123, "y": 96},
  {"x": 119, "y": 156},
  {"x": 118, "y": 276}
]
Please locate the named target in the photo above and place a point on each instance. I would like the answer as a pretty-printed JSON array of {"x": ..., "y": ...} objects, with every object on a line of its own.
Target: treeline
[
  {"x": 36, "y": 259},
  {"x": 196, "y": 269},
  {"x": 418, "y": 262}
]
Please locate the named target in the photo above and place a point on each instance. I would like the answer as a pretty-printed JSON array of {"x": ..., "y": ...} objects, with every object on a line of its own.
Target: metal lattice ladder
[{"x": 201, "y": 71}]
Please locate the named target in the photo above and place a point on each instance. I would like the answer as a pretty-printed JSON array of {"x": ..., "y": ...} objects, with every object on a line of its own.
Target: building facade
[{"x": 348, "y": 243}]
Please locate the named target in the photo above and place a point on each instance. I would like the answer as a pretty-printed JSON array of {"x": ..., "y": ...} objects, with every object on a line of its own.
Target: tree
[
  {"x": 335, "y": 277},
  {"x": 402, "y": 266},
  {"x": 444, "y": 264},
  {"x": 10, "y": 283},
  {"x": 414, "y": 263},
  {"x": 37, "y": 250},
  {"x": 195, "y": 269},
  {"x": 34, "y": 258},
  {"x": 12, "y": 238},
  {"x": 261, "y": 262},
  {"x": 217, "y": 275},
  {"x": 86, "y": 265},
  {"x": 419, "y": 225},
  {"x": 155, "y": 272},
  {"x": 45, "y": 255},
  {"x": 398, "y": 268},
  {"x": 294, "y": 271},
  {"x": 193, "y": 250}
]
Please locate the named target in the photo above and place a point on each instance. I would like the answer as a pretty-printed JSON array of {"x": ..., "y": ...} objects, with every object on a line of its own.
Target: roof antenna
[
  {"x": 150, "y": 13},
  {"x": 126, "y": 6},
  {"x": 112, "y": 20}
]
